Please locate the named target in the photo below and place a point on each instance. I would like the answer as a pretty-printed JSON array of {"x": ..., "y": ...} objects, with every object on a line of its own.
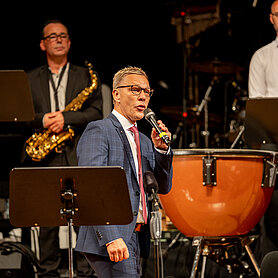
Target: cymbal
[
  {"x": 215, "y": 67},
  {"x": 175, "y": 113}
]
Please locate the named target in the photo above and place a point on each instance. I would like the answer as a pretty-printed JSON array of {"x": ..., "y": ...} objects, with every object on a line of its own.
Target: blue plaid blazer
[{"x": 104, "y": 143}]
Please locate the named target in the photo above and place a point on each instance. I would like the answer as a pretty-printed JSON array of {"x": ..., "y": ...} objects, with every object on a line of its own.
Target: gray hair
[{"x": 120, "y": 75}]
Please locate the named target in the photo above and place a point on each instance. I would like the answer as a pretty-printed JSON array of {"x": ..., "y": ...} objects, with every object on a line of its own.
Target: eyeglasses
[
  {"x": 136, "y": 90},
  {"x": 54, "y": 37},
  {"x": 275, "y": 14}
]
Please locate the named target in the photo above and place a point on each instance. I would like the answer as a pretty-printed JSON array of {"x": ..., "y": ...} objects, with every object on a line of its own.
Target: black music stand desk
[
  {"x": 16, "y": 98},
  {"x": 261, "y": 125},
  {"x": 60, "y": 196}
]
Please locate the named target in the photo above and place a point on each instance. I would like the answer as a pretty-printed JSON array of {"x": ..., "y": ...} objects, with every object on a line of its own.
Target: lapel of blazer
[
  {"x": 45, "y": 87},
  {"x": 125, "y": 142},
  {"x": 72, "y": 78}
]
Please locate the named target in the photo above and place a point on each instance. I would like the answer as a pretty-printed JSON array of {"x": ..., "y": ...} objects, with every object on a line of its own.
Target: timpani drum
[{"x": 219, "y": 192}]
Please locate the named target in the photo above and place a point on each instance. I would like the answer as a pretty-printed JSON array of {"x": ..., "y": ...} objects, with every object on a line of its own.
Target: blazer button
[
  {"x": 99, "y": 235},
  {"x": 137, "y": 193},
  {"x": 135, "y": 213}
]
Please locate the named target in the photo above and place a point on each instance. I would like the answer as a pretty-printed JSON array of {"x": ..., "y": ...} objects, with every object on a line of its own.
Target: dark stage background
[{"x": 112, "y": 35}]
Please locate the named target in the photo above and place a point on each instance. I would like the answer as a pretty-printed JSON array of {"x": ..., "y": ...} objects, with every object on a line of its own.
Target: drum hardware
[
  {"x": 204, "y": 105},
  {"x": 227, "y": 251},
  {"x": 176, "y": 135},
  {"x": 209, "y": 170},
  {"x": 269, "y": 174},
  {"x": 241, "y": 130},
  {"x": 194, "y": 123},
  {"x": 171, "y": 244},
  {"x": 236, "y": 126},
  {"x": 216, "y": 67},
  {"x": 187, "y": 26},
  {"x": 175, "y": 113}
]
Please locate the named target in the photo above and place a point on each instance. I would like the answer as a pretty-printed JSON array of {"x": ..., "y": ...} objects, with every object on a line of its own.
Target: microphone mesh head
[
  {"x": 148, "y": 112},
  {"x": 150, "y": 182}
]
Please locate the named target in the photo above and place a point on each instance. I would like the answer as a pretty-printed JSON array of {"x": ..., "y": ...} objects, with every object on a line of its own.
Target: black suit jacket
[{"x": 78, "y": 79}]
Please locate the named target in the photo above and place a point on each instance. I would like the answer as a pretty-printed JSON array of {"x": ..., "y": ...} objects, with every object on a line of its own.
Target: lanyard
[{"x": 55, "y": 89}]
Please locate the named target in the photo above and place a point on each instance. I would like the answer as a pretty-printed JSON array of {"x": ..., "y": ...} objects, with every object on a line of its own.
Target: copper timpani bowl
[{"x": 219, "y": 192}]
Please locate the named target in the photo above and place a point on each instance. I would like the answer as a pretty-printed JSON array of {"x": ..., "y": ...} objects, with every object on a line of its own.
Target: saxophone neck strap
[{"x": 56, "y": 88}]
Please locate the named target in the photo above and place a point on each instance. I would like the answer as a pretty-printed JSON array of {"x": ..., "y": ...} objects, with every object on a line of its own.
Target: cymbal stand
[
  {"x": 241, "y": 128},
  {"x": 204, "y": 105},
  {"x": 185, "y": 58}
]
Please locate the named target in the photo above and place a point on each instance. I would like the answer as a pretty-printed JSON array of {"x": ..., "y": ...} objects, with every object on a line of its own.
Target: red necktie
[{"x": 134, "y": 130}]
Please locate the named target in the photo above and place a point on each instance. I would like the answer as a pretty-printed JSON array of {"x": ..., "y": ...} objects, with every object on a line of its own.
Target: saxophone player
[{"x": 53, "y": 87}]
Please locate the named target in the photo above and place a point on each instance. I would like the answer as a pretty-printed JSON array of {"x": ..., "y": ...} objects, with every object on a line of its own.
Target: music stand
[
  {"x": 261, "y": 125},
  {"x": 60, "y": 196},
  {"x": 16, "y": 98}
]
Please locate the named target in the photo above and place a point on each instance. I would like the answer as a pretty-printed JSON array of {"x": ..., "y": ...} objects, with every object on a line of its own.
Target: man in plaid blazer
[{"x": 114, "y": 251}]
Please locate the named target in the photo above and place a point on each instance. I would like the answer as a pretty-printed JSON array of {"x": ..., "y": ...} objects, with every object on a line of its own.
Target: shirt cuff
[
  {"x": 163, "y": 151},
  {"x": 110, "y": 242}
]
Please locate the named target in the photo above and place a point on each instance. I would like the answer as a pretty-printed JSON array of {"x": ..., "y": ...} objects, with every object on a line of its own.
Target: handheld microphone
[{"x": 150, "y": 117}]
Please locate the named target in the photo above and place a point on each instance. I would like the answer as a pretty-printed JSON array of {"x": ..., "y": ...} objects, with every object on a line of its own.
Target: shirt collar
[
  {"x": 66, "y": 65},
  {"x": 126, "y": 124}
]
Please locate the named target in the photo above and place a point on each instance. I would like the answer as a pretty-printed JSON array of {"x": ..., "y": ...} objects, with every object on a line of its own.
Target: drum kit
[
  {"x": 219, "y": 195},
  {"x": 200, "y": 121}
]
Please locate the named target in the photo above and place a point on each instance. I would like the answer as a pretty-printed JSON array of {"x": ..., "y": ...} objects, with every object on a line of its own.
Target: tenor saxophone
[{"x": 39, "y": 145}]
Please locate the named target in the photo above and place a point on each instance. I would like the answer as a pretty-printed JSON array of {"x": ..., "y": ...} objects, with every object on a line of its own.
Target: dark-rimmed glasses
[
  {"x": 136, "y": 90},
  {"x": 54, "y": 37},
  {"x": 275, "y": 14}
]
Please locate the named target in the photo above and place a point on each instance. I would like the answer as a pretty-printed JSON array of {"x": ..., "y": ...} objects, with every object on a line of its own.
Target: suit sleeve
[{"x": 163, "y": 171}]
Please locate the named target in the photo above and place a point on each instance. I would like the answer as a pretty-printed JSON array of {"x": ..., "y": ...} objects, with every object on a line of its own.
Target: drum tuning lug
[
  {"x": 205, "y": 133},
  {"x": 209, "y": 170},
  {"x": 205, "y": 251},
  {"x": 197, "y": 241},
  {"x": 229, "y": 268},
  {"x": 269, "y": 174}
]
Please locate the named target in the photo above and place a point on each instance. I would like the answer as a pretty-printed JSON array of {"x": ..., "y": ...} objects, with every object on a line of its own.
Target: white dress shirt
[
  {"x": 263, "y": 72},
  {"x": 126, "y": 124}
]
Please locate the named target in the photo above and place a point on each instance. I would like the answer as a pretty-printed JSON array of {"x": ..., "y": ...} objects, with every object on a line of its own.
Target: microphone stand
[{"x": 155, "y": 227}]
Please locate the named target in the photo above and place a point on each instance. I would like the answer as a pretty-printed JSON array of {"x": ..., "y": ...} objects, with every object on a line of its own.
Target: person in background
[
  {"x": 263, "y": 83},
  {"x": 53, "y": 86},
  {"x": 263, "y": 68}
]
